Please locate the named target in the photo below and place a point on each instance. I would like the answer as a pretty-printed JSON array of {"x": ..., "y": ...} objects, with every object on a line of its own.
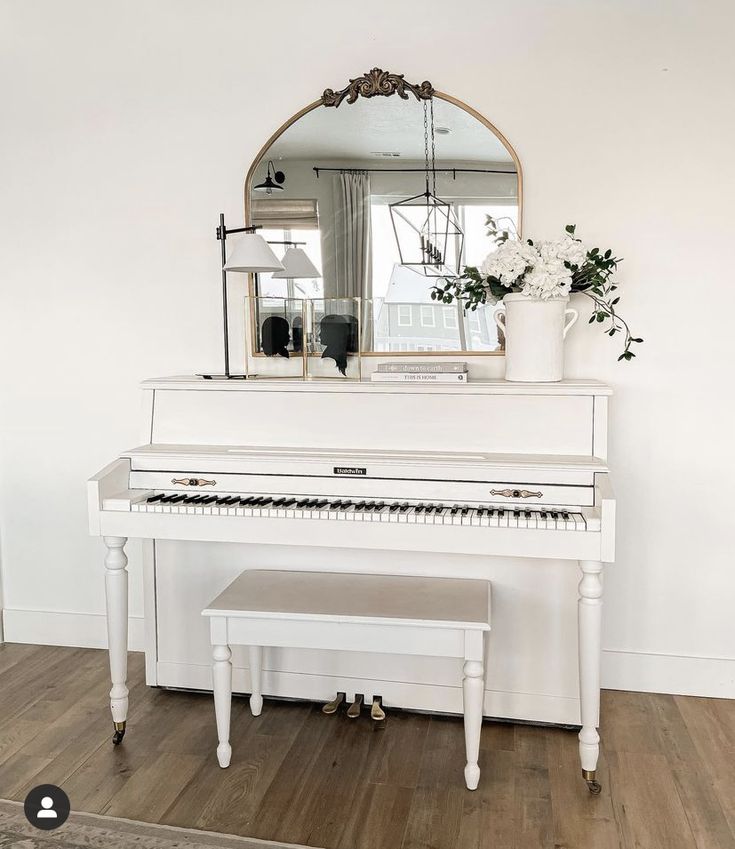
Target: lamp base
[{"x": 226, "y": 376}]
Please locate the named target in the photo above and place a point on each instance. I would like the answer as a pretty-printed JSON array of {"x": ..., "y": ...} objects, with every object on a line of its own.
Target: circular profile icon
[{"x": 47, "y": 806}]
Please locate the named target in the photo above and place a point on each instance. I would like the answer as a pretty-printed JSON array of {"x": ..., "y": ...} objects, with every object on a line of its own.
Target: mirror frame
[{"x": 383, "y": 84}]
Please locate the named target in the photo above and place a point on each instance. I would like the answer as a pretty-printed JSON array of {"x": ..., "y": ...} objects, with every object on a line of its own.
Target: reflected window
[
  {"x": 404, "y": 315},
  {"x": 427, "y": 317}
]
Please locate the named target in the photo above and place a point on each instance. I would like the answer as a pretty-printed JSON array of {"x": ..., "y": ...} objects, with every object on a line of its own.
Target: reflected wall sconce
[{"x": 274, "y": 180}]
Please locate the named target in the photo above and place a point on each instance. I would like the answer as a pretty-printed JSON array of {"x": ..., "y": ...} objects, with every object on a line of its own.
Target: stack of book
[{"x": 421, "y": 372}]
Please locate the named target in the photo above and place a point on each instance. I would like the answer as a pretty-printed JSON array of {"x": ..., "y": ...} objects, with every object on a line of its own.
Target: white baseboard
[
  {"x": 62, "y": 628},
  {"x": 682, "y": 675},
  {"x": 646, "y": 672}
]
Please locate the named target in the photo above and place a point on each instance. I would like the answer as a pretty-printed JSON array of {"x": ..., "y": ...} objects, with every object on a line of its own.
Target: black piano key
[
  {"x": 189, "y": 499},
  {"x": 177, "y": 498},
  {"x": 370, "y": 505},
  {"x": 454, "y": 510},
  {"x": 210, "y": 499},
  {"x": 465, "y": 511},
  {"x": 266, "y": 502},
  {"x": 527, "y": 514},
  {"x": 346, "y": 504},
  {"x": 302, "y": 503},
  {"x": 393, "y": 507},
  {"x": 278, "y": 502},
  {"x": 554, "y": 515},
  {"x": 501, "y": 512},
  {"x": 322, "y": 503},
  {"x": 288, "y": 503},
  {"x": 543, "y": 514},
  {"x": 246, "y": 501},
  {"x": 565, "y": 515},
  {"x": 153, "y": 498},
  {"x": 359, "y": 505},
  {"x": 480, "y": 512},
  {"x": 420, "y": 508},
  {"x": 404, "y": 507},
  {"x": 516, "y": 513}
]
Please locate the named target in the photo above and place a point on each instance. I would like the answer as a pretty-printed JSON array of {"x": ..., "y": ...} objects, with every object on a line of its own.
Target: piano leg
[
  {"x": 590, "y": 621},
  {"x": 473, "y": 691},
  {"x": 116, "y": 592}
]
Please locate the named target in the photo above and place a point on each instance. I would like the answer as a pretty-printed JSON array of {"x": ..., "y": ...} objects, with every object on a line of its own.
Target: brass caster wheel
[
  {"x": 593, "y": 785},
  {"x": 117, "y": 737}
]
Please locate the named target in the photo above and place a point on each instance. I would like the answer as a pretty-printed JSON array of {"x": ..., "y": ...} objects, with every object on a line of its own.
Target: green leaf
[
  {"x": 570, "y": 228},
  {"x": 636, "y": 340}
]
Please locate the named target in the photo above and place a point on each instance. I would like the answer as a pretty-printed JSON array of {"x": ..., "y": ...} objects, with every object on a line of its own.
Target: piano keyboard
[{"x": 300, "y": 507}]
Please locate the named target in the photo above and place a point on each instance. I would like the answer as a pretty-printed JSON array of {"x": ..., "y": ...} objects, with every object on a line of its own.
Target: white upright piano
[{"x": 503, "y": 481}]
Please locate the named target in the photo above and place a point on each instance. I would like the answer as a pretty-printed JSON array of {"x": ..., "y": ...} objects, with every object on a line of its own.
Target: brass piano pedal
[
  {"x": 353, "y": 711},
  {"x": 333, "y": 706},
  {"x": 377, "y": 714}
]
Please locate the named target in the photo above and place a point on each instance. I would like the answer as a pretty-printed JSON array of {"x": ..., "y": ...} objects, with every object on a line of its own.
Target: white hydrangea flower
[
  {"x": 547, "y": 279},
  {"x": 565, "y": 249},
  {"x": 508, "y": 262}
]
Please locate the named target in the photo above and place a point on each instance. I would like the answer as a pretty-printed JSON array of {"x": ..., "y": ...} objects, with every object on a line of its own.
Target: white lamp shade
[
  {"x": 297, "y": 265},
  {"x": 252, "y": 253}
]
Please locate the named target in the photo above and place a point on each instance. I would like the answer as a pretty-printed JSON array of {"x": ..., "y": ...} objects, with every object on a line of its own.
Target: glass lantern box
[{"x": 332, "y": 339}]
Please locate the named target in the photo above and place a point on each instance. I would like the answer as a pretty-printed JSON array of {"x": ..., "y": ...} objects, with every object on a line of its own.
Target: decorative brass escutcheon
[
  {"x": 193, "y": 482},
  {"x": 516, "y": 493}
]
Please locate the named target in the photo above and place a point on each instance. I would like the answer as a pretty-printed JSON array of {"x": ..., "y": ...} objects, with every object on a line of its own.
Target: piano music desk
[{"x": 441, "y": 617}]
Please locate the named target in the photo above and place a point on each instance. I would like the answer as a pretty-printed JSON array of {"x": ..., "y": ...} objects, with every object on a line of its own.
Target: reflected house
[{"x": 408, "y": 320}]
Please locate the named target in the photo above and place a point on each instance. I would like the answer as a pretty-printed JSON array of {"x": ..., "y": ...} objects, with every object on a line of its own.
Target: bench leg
[
  {"x": 256, "y": 682},
  {"x": 222, "y": 678},
  {"x": 473, "y": 688}
]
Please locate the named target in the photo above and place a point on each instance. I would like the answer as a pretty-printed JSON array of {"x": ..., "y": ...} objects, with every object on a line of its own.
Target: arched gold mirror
[{"x": 344, "y": 185}]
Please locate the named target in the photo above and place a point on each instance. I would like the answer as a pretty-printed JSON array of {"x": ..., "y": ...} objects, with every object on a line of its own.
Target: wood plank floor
[{"x": 667, "y": 767}]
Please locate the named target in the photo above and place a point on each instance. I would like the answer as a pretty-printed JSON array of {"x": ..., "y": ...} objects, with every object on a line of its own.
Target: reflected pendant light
[
  {"x": 297, "y": 266},
  {"x": 429, "y": 237},
  {"x": 273, "y": 180}
]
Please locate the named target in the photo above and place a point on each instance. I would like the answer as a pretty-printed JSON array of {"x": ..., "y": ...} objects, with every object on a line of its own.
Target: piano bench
[{"x": 441, "y": 617}]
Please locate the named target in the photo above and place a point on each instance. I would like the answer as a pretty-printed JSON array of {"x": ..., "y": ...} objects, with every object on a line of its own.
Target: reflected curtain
[{"x": 352, "y": 235}]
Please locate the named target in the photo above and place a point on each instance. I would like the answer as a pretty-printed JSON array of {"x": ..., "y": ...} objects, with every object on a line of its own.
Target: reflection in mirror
[{"x": 343, "y": 169}]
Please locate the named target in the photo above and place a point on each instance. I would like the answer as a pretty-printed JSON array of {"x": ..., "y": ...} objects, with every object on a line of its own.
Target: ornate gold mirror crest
[{"x": 343, "y": 170}]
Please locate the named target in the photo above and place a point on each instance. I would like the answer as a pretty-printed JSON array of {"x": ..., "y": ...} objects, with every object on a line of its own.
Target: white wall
[{"x": 127, "y": 128}]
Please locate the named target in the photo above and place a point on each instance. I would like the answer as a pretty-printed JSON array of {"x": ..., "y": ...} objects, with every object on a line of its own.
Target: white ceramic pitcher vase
[{"x": 534, "y": 332}]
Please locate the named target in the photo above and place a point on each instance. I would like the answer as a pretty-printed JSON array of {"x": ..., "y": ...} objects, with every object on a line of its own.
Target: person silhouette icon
[{"x": 47, "y": 809}]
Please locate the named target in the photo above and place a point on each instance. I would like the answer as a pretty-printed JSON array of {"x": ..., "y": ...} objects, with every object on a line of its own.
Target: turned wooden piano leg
[
  {"x": 590, "y": 623},
  {"x": 116, "y": 593},
  {"x": 256, "y": 679},
  {"x": 222, "y": 680}
]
